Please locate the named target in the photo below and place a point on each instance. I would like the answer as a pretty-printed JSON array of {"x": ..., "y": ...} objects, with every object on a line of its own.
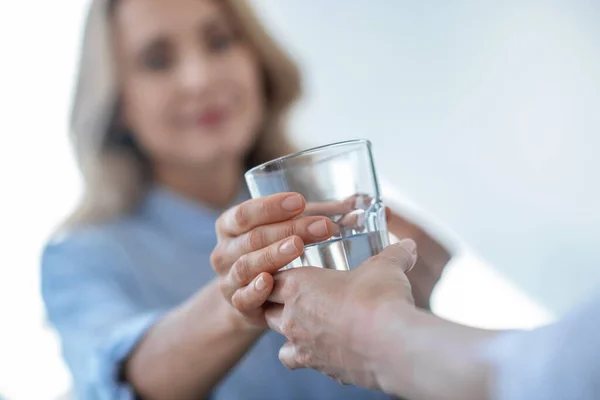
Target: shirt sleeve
[
  {"x": 560, "y": 361},
  {"x": 87, "y": 290}
]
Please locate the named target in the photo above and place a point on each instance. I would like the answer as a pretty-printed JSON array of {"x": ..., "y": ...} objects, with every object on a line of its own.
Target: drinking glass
[{"x": 338, "y": 181}]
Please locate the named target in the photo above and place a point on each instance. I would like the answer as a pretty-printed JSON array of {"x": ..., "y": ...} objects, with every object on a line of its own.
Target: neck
[{"x": 214, "y": 185}]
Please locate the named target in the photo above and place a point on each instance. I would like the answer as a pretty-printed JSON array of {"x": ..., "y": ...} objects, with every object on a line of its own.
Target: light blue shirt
[{"x": 104, "y": 286}]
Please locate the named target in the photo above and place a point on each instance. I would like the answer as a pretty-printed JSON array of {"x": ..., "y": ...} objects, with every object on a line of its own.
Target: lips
[{"x": 211, "y": 117}]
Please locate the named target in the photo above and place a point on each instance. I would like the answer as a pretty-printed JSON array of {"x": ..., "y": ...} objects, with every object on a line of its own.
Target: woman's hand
[{"x": 256, "y": 239}]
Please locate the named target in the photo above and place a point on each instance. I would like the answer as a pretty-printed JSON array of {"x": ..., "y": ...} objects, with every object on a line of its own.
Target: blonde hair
[{"x": 115, "y": 173}]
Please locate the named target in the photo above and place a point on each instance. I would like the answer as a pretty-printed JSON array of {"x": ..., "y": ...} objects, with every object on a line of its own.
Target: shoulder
[
  {"x": 85, "y": 263},
  {"x": 87, "y": 250},
  {"x": 94, "y": 238}
]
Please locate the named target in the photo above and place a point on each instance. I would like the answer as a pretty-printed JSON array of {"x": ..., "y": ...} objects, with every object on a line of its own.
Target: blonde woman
[{"x": 175, "y": 99}]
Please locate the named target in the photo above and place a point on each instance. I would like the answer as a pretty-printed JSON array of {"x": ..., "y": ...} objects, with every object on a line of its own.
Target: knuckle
[
  {"x": 293, "y": 287},
  {"x": 220, "y": 223},
  {"x": 303, "y": 356},
  {"x": 293, "y": 227},
  {"x": 272, "y": 205},
  {"x": 256, "y": 239},
  {"x": 264, "y": 207},
  {"x": 239, "y": 301},
  {"x": 288, "y": 328},
  {"x": 217, "y": 259},
  {"x": 269, "y": 257},
  {"x": 241, "y": 216},
  {"x": 404, "y": 260},
  {"x": 241, "y": 270}
]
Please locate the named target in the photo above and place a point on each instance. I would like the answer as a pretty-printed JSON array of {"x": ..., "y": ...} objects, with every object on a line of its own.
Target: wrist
[
  {"x": 239, "y": 323},
  {"x": 232, "y": 321},
  {"x": 392, "y": 323},
  {"x": 423, "y": 356}
]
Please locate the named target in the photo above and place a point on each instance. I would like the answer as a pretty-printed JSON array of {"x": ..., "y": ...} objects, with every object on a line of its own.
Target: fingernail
[
  {"x": 318, "y": 229},
  {"x": 287, "y": 352},
  {"x": 260, "y": 284},
  {"x": 288, "y": 247},
  {"x": 292, "y": 203},
  {"x": 409, "y": 245}
]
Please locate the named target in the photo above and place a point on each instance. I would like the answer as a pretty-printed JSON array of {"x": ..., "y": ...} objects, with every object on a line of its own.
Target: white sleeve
[{"x": 560, "y": 361}]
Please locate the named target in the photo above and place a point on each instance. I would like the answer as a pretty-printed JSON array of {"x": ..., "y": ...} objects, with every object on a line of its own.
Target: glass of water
[{"x": 338, "y": 181}]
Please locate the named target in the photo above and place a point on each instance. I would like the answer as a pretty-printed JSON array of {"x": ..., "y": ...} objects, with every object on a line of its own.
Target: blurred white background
[{"x": 483, "y": 114}]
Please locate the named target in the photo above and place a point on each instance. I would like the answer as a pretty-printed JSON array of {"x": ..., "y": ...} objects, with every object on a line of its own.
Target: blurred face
[{"x": 190, "y": 85}]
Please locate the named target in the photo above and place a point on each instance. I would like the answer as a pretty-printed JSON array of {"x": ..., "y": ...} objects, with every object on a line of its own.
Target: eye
[
  {"x": 156, "y": 62},
  {"x": 220, "y": 42},
  {"x": 157, "y": 58}
]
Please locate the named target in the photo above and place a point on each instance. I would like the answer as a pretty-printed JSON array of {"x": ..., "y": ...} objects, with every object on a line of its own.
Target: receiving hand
[
  {"x": 328, "y": 316},
  {"x": 433, "y": 256}
]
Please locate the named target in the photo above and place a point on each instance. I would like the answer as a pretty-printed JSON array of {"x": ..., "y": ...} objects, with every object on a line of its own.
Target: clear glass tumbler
[{"x": 338, "y": 181}]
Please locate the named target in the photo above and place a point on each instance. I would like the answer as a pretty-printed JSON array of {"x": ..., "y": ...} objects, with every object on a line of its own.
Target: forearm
[
  {"x": 188, "y": 352},
  {"x": 427, "y": 357}
]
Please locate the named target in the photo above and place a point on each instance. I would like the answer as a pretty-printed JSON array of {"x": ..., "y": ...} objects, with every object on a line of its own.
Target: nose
[{"x": 195, "y": 73}]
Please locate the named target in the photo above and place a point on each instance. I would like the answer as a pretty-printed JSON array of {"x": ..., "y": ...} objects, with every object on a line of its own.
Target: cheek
[
  {"x": 144, "y": 114},
  {"x": 249, "y": 78}
]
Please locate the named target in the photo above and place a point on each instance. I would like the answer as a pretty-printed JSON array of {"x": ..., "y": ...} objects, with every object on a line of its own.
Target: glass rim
[{"x": 312, "y": 150}]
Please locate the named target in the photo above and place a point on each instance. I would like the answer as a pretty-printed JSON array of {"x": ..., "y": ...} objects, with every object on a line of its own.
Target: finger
[
  {"x": 328, "y": 208},
  {"x": 393, "y": 218},
  {"x": 254, "y": 295},
  {"x": 309, "y": 229},
  {"x": 269, "y": 259},
  {"x": 352, "y": 220},
  {"x": 273, "y": 316},
  {"x": 265, "y": 210},
  {"x": 283, "y": 286},
  {"x": 402, "y": 254},
  {"x": 287, "y": 284},
  {"x": 341, "y": 207},
  {"x": 400, "y": 226},
  {"x": 288, "y": 356}
]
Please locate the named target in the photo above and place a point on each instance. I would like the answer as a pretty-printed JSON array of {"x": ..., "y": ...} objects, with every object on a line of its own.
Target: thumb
[{"x": 402, "y": 254}]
